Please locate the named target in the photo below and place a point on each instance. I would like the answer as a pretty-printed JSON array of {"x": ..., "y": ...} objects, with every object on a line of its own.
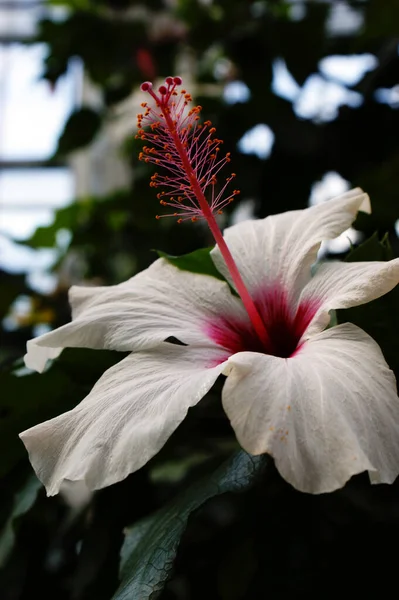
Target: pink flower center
[{"x": 284, "y": 326}]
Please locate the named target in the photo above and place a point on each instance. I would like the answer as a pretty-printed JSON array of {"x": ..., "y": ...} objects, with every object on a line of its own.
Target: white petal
[
  {"x": 281, "y": 248},
  {"x": 327, "y": 413},
  {"x": 161, "y": 302},
  {"x": 342, "y": 285},
  {"x": 127, "y": 417},
  {"x": 36, "y": 356}
]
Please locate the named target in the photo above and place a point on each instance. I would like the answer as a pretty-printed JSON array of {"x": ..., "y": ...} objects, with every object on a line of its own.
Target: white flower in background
[{"x": 322, "y": 402}]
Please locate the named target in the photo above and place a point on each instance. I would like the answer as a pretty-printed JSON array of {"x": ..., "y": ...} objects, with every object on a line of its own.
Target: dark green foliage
[
  {"x": 80, "y": 130},
  {"x": 12, "y": 286},
  {"x": 150, "y": 546}
]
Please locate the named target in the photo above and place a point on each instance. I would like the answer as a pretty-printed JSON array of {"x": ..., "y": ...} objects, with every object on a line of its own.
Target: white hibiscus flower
[{"x": 322, "y": 402}]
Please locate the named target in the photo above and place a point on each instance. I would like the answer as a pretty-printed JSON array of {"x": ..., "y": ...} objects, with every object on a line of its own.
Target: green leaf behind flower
[
  {"x": 23, "y": 502},
  {"x": 80, "y": 129},
  {"x": 151, "y": 545},
  {"x": 199, "y": 261},
  {"x": 372, "y": 249}
]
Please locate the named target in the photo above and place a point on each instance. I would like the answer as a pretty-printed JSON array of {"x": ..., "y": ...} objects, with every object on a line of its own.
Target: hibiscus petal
[
  {"x": 127, "y": 417},
  {"x": 342, "y": 285},
  {"x": 281, "y": 248},
  {"x": 159, "y": 303},
  {"x": 325, "y": 414}
]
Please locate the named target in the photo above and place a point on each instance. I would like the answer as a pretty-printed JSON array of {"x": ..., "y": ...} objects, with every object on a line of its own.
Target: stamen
[{"x": 191, "y": 155}]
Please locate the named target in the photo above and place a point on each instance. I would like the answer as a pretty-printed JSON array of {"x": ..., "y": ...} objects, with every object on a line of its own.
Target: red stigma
[{"x": 146, "y": 86}]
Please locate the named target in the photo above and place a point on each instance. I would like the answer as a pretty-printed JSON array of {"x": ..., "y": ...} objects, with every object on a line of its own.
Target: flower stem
[{"x": 248, "y": 302}]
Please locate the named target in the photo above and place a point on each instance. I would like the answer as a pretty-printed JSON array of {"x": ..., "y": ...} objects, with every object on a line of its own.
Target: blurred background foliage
[{"x": 300, "y": 127}]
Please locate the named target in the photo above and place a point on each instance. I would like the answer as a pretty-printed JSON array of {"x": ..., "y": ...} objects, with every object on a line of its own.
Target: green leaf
[
  {"x": 67, "y": 218},
  {"x": 151, "y": 545},
  {"x": 199, "y": 261},
  {"x": 372, "y": 249},
  {"x": 23, "y": 501},
  {"x": 79, "y": 131},
  {"x": 12, "y": 285},
  {"x": 379, "y": 318},
  {"x": 64, "y": 218}
]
